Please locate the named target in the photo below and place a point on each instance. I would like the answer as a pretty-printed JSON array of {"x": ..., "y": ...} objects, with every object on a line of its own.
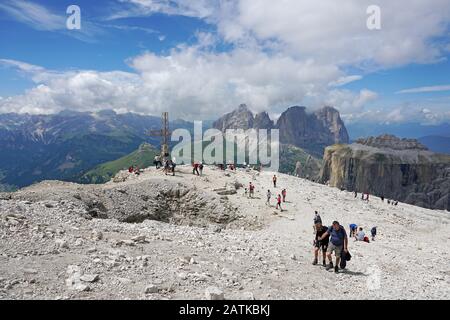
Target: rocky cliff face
[
  {"x": 388, "y": 166},
  {"x": 241, "y": 118},
  {"x": 309, "y": 131},
  {"x": 312, "y": 131},
  {"x": 329, "y": 118}
]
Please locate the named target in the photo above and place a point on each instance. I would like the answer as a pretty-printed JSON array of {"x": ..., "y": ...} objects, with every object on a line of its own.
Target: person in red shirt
[
  {"x": 279, "y": 202},
  {"x": 283, "y": 193},
  {"x": 195, "y": 169},
  {"x": 251, "y": 188}
]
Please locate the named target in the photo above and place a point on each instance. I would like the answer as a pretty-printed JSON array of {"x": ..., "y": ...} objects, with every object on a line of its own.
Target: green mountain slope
[
  {"x": 290, "y": 155},
  {"x": 142, "y": 158}
]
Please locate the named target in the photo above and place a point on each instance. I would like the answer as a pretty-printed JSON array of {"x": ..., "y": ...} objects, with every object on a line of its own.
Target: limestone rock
[{"x": 214, "y": 293}]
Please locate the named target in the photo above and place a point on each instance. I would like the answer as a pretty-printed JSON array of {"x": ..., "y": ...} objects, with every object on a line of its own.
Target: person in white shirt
[{"x": 360, "y": 235}]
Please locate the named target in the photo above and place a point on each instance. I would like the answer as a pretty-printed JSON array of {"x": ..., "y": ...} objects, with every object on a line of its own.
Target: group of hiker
[
  {"x": 197, "y": 168},
  {"x": 280, "y": 198},
  {"x": 334, "y": 239},
  {"x": 359, "y": 234},
  {"x": 134, "y": 169},
  {"x": 166, "y": 163},
  {"x": 365, "y": 197}
]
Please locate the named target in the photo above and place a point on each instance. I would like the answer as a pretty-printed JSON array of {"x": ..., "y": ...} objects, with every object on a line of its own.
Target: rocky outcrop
[
  {"x": 330, "y": 119},
  {"x": 241, "y": 118},
  {"x": 312, "y": 132},
  {"x": 392, "y": 142},
  {"x": 262, "y": 121},
  {"x": 391, "y": 167},
  {"x": 309, "y": 131}
]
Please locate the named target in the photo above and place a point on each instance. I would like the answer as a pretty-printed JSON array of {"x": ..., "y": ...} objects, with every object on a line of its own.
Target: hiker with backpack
[
  {"x": 338, "y": 244},
  {"x": 320, "y": 244},
  {"x": 373, "y": 231},
  {"x": 360, "y": 235},
  {"x": 317, "y": 219}
]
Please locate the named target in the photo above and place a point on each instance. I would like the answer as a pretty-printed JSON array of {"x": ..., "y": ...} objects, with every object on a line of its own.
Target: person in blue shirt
[
  {"x": 353, "y": 228},
  {"x": 338, "y": 244}
]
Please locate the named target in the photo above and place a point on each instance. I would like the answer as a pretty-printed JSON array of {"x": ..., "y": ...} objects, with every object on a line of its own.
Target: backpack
[{"x": 344, "y": 258}]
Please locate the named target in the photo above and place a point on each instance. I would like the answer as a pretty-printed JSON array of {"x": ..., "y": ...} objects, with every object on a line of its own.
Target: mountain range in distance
[
  {"x": 68, "y": 145},
  {"x": 435, "y": 137}
]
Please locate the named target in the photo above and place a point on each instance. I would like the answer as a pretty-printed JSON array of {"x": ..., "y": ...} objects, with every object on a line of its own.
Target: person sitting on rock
[
  {"x": 338, "y": 244},
  {"x": 320, "y": 244},
  {"x": 360, "y": 235}
]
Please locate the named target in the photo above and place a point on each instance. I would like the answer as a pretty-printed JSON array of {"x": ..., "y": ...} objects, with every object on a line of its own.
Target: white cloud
[
  {"x": 326, "y": 30},
  {"x": 40, "y": 18},
  {"x": 191, "y": 8},
  {"x": 190, "y": 82},
  {"x": 35, "y": 15},
  {"x": 345, "y": 80},
  {"x": 283, "y": 53},
  {"x": 335, "y": 31},
  {"x": 426, "y": 89},
  {"x": 349, "y": 102}
]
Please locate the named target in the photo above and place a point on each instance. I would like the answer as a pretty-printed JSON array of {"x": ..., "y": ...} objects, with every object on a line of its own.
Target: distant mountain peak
[
  {"x": 243, "y": 107},
  {"x": 106, "y": 113},
  {"x": 392, "y": 142}
]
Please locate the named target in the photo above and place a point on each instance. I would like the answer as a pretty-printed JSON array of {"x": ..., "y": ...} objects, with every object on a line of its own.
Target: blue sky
[{"x": 199, "y": 59}]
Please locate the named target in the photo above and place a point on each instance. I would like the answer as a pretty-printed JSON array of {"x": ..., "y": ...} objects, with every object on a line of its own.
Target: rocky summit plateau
[{"x": 152, "y": 236}]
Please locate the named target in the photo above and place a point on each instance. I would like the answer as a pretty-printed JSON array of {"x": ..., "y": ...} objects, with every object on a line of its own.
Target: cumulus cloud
[
  {"x": 336, "y": 31},
  {"x": 282, "y": 53},
  {"x": 190, "y": 82}
]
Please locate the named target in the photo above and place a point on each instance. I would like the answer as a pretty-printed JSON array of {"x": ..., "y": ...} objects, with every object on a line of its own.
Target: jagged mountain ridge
[{"x": 309, "y": 131}]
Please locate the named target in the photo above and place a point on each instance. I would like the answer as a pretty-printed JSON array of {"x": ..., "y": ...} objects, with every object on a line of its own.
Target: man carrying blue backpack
[{"x": 338, "y": 244}]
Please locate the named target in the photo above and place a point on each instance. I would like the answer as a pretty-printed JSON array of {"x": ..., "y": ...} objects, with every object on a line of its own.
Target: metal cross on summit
[{"x": 164, "y": 133}]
